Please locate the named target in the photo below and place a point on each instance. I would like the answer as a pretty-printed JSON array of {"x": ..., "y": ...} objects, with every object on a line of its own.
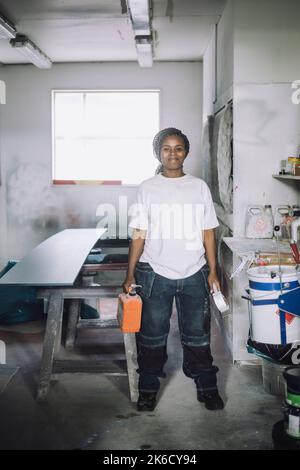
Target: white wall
[
  {"x": 266, "y": 122},
  {"x": 209, "y": 76},
  {"x": 257, "y": 59},
  {"x": 36, "y": 209},
  {"x": 266, "y": 126},
  {"x": 225, "y": 31},
  {"x": 266, "y": 41},
  {"x": 218, "y": 64}
]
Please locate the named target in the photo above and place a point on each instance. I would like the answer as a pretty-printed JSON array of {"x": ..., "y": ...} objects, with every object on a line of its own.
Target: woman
[{"x": 172, "y": 255}]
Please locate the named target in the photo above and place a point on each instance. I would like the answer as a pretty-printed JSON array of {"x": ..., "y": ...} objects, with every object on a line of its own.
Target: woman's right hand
[{"x": 127, "y": 283}]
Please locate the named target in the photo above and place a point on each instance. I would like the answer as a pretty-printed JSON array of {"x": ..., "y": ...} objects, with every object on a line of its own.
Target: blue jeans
[{"x": 193, "y": 309}]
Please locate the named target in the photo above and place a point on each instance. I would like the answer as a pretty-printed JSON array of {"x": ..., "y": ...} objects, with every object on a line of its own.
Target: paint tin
[
  {"x": 292, "y": 377},
  {"x": 267, "y": 323},
  {"x": 291, "y": 420},
  {"x": 220, "y": 301},
  {"x": 281, "y": 440}
]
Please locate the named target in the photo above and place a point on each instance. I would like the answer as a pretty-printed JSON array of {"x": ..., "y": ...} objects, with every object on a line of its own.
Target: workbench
[{"x": 55, "y": 268}]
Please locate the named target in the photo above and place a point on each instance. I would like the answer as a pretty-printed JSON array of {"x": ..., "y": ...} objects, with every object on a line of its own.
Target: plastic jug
[
  {"x": 130, "y": 310},
  {"x": 259, "y": 222},
  {"x": 283, "y": 220}
]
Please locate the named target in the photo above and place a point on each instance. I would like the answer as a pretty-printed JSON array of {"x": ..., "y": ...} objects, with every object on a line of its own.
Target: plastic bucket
[
  {"x": 267, "y": 323},
  {"x": 272, "y": 375}
]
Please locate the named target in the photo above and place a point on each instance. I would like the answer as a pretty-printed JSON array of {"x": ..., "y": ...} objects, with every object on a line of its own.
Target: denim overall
[{"x": 193, "y": 310}]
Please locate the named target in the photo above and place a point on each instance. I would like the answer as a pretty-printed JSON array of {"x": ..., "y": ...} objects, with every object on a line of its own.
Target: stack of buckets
[
  {"x": 271, "y": 325},
  {"x": 286, "y": 433},
  {"x": 292, "y": 402}
]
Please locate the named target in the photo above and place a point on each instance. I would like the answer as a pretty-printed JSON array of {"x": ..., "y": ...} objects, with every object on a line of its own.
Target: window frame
[{"x": 93, "y": 90}]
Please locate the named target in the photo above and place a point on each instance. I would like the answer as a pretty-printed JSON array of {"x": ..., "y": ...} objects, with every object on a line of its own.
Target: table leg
[
  {"x": 57, "y": 342},
  {"x": 51, "y": 341},
  {"x": 131, "y": 358},
  {"x": 72, "y": 324}
]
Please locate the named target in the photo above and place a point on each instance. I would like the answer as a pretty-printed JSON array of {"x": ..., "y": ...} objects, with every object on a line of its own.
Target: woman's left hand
[{"x": 213, "y": 280}]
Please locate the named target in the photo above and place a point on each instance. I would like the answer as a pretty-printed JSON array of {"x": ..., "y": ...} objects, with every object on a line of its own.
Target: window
[{"x": 104, "y": 136}]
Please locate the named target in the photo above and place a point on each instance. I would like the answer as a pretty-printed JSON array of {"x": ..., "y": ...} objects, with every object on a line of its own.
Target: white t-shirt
[{"x": 174, "y": 212}]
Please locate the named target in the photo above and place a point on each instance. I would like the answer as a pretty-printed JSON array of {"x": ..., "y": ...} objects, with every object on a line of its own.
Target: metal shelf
[{"x": 286, "y": 177}]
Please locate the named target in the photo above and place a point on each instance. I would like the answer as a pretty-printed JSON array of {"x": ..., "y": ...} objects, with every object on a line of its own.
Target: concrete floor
[{"x": 93, "y": 411}]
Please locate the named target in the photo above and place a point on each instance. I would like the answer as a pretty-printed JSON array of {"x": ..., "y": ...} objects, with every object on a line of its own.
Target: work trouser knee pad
[{"x": 151, "y": 360}]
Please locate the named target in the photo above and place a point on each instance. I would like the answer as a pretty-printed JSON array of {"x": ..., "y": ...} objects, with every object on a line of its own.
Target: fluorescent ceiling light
[
  {"x": 140, "y": 12},
  {"x": 144, "y": 50},
  {"x": 31, "y": 52},
  {"x": 7, "y": 29}
]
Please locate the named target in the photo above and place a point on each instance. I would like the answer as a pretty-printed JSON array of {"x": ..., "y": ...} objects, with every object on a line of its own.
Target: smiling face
[{"x": 173, "y": 153}]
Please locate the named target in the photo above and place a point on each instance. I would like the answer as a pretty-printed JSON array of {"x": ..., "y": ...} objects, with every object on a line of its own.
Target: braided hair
[{"x": 159, "y": 139}]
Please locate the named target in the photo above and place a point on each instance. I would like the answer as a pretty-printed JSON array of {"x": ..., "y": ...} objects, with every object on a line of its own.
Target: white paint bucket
[{"x": 267, "y": 323}]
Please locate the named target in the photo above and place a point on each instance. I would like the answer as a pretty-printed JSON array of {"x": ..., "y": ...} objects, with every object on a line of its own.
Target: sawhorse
[{"x": 50, "y": 364}]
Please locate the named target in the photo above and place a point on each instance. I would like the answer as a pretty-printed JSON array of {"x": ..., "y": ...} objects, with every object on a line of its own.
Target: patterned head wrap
[{"x": 159, "y": 139}]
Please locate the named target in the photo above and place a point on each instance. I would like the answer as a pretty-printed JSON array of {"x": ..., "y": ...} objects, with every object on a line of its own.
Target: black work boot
[
  {"x": 146, "y": 401},
  {"x": 211, "y": 399}
]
